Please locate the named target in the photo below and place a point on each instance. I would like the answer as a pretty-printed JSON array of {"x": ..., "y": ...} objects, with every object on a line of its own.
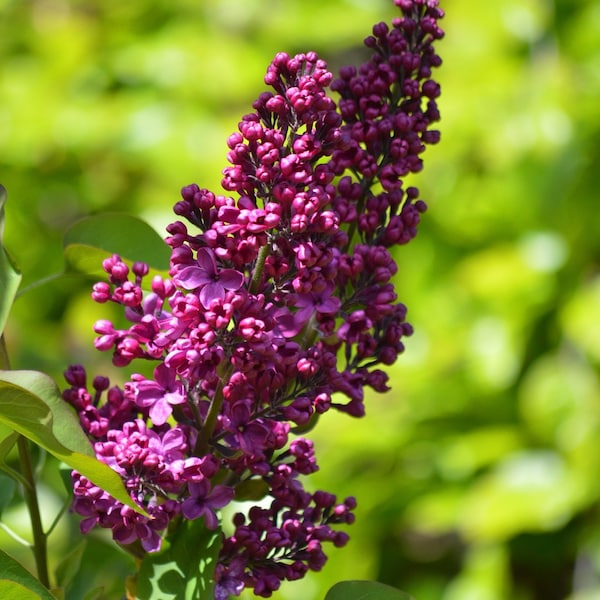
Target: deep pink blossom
[
  {"x": 208, "y": 279},
  {"x": 203, "y": 501},
  {"x": 280, "y": 306},
  {"x": 159, "y": 394}
]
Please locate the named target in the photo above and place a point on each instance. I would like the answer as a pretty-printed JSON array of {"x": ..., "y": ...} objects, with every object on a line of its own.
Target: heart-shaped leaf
[
  {"x": 30, "y": 403},
  {"x": 89, "y": 241}
]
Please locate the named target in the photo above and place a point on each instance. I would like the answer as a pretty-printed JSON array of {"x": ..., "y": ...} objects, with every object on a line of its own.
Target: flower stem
[
  {"x": 206, "y": 432},
  {"x": 258, "y": 268},
  {"x": 27, "y": 478},
  {"x": 4, "y": 361},
  {"x": 40, "y": 550}
]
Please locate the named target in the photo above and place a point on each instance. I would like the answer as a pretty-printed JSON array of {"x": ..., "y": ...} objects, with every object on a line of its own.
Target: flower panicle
[{"x": 279, "y": 306}]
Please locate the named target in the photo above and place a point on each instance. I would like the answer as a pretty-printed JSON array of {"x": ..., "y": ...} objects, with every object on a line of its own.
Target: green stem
[
  {"x": 258, "y": 268},
  {"x": 206, "y": 432},
  {"x": 40, "y": 546},
  {"x": 4, "y": 361},
  {"x": 310, "y": 332},
  {"x": 40, "y": 549},
  {"x": 366, "y": 186}
]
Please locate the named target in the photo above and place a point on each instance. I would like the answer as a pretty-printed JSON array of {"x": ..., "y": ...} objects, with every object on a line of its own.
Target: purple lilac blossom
[
  {"x": 210, "y": 281},
  {"x": 279, "y": 306},
  {"x": 159, "y": 394},
  {"x": 203, "y": 501}
]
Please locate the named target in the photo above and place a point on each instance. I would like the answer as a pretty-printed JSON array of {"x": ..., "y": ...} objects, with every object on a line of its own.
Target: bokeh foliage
[{"x": 477, "y": 475}]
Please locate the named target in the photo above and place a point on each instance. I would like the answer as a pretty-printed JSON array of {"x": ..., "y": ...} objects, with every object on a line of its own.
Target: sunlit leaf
[
  {"x": 18, "y": 583},
  {"x": 184, "y": 570},
  {"x": 30, "y": 403},
  {"x": 364, "y": 590},
  {"x": 10, "y": 590},
  {"x": 93, "y": 239},
  {"x": 10, "y": 277}
]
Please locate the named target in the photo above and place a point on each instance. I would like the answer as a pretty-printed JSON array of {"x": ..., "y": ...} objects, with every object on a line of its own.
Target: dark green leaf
[
  {"x": 184, "y": 570},
  {"x": 30, "y": 403},
  {"x": 10, "y": 277},
  {"x": 18, "y": 583},
  {"x": 364, "y": 590},
  {"x": 93, "y": 239}
]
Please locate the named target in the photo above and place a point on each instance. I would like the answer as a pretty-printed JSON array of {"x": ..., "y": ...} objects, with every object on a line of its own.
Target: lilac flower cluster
[{"x": 279, "y": 305}]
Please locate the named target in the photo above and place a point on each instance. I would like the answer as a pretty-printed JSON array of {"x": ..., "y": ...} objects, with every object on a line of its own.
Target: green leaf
[
  {"x": 364, "y": 590},
  {"x": 184, "y": 570},
  {"x": 18, "y": 583},
  {"x": 10, "y": 277},
  {"x": 9, "y": 590},
  {"x": 30, "y": 403},
  {"x": 69, "y": 566},
  {"x": 93, "y": 239}
]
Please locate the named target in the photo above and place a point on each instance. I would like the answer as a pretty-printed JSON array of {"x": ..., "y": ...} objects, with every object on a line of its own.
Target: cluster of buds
[{"x": 279, "y": 306}]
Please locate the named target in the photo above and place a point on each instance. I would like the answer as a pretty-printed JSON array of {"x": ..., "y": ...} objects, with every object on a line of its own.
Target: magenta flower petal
[
  {"x": 201, "y": 503},
  {"x": 231, "y": 279},
  {"x": 206, "y": 260},
  {"x": 191, "y": 278},
  {"x": 159, "y": 413},
  {"x": 211, "y": 291},
  {"x": 220, "y": 496},
  {"x": 210, "y": 519}
]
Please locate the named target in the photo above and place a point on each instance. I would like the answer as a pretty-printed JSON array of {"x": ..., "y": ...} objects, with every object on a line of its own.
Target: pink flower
[
  {"x": 160, "y": 394},
  {"x": 203, "y": 501},
  {"x": 211, "y": 281}
]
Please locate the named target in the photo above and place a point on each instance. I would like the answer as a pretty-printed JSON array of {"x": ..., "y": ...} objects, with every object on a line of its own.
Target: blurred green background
[{"x": 477, "y": 476}]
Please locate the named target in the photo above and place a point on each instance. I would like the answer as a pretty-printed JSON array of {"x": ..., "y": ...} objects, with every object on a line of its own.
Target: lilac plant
[{"x": 279, "y": 306}]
